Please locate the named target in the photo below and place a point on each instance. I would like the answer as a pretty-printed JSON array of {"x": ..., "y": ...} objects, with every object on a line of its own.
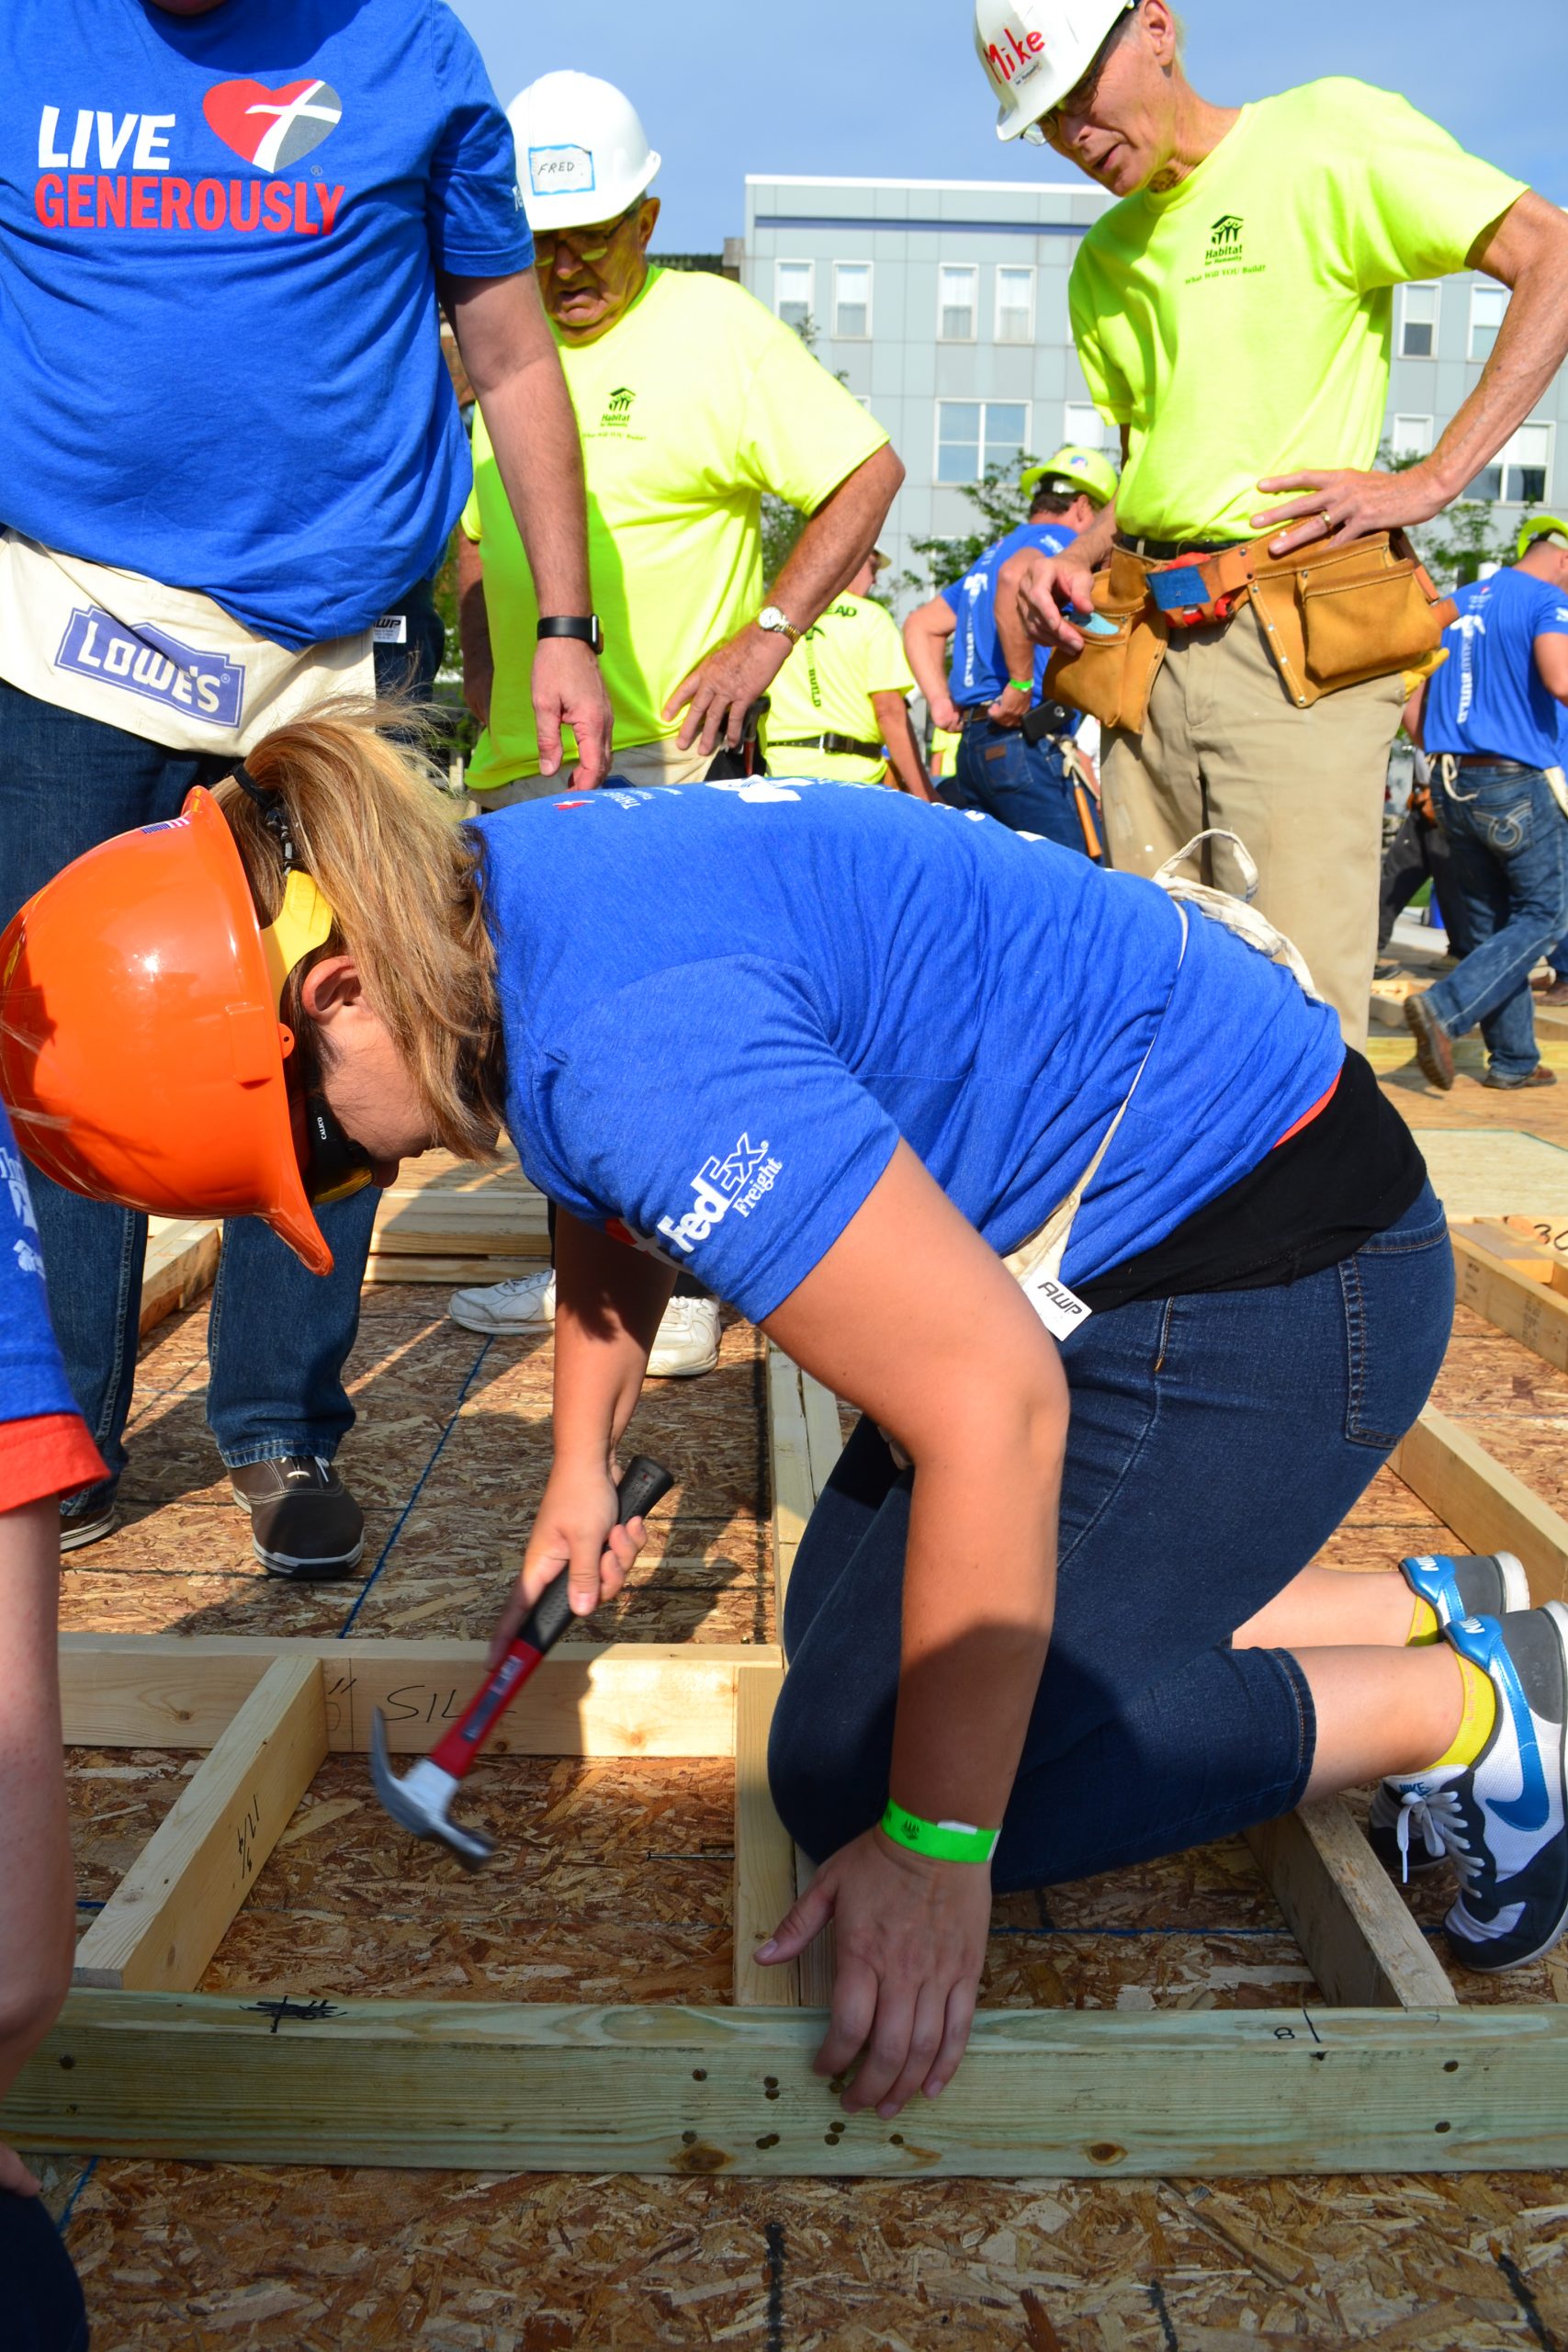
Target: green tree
[
  {"x": 1002, "y": 506},
  {"x": 1455, "y": 544}
]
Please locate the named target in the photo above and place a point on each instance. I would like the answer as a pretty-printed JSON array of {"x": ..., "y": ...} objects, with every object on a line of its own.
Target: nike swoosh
[{"x": 1531, "y": 1809}]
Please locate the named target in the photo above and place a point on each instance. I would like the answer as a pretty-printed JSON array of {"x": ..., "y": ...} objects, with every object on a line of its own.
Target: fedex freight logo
[
  {"x": 101, "y": 170},
  {"x": 147, "y": 661},
  {"x": 1015, "y": 56},
  {"x": 736, "y": 1184}
]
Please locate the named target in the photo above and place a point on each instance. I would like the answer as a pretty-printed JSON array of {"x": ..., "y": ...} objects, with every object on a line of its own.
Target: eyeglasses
[
  {"x": 1080, "y": 98},
  {"x": 549, "y": 241},
  {"x": 335, "y": 1165}
]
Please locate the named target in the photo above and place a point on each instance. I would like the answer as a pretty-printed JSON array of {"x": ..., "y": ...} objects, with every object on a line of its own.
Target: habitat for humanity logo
[
  {"x": 618, "y": 410},
  {"x": 146, "y": 660},
  {"x": 1225, "y": 239},
  {"x": 737, "y": 1183}
]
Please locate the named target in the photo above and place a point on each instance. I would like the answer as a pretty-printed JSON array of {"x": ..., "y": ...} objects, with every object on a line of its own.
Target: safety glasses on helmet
[{"x": 1080, "y": 98}]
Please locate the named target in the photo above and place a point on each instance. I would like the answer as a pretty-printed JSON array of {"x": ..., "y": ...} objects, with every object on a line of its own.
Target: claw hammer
[{"x": 421, "y": 1801}]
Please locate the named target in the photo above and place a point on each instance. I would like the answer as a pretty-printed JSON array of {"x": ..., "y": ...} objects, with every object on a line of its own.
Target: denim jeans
[
  {"x": 1509, "y": 859},
  {"x": 1214, "y": 1444},
  {"x": 279, "y": 1336},
  {"x": 43, "y": 2305},
  {"x": 1023, "y": 786}
]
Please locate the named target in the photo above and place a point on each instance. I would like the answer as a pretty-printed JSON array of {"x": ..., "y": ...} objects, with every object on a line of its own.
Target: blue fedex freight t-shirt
[
  {"x": 1489, "y": 697},
  {"x": 979, "y": 667},
  {"x": 781, "y": 978},
  {"x": 218, "y": 338},
  {"x": 32, "y": 1378}
]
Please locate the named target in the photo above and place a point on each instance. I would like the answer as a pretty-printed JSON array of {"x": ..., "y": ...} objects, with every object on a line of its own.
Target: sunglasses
[
  {"x": 549, "y": 241},
  {"x": 1080, "y": 98},
  {"x": 334, "y": 1166}
]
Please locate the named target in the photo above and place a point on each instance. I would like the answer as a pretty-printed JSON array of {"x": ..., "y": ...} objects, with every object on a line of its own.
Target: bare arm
[
  {"x": 717, "y": 693},
  {"x": 1526, "y": 251},
  {"x": 897, "y": 730},
  {"x": 514, "y": 366},
  {"x": 473, "y": 629},
  {"x": 1551, "y": 662},
  {"x": 1018, "y": 647},
  {"x": 928, "y": 640},
  {"x": 1043, "y": 587}
]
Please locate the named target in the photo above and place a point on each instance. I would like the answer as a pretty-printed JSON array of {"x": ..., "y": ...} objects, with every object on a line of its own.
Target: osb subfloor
[{"x": 613, "y": 1884}]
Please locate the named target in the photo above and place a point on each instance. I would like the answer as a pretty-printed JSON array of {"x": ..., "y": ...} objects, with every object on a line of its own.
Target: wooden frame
[{"x": 1401, "y": 2078}]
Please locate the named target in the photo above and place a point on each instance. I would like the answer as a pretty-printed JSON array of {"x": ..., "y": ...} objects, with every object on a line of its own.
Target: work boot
[
  {"x": 1540, "y": 1076},
  {"x": 90, "y": 1526},
  {"x": 511, "y": 1310},
  {"x": 687, "y": 1339},
  {"x": 1433, "y": 1049},
  {"x": 304, "y": 1521}
]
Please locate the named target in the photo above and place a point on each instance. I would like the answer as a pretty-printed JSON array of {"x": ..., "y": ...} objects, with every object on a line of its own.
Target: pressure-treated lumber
[
  {"x": 1510, "y": 1296},
  {"x": 1354, "y": 1927},
  {"x": 764, "y": 1856},
  {"x": 524, "y": 2088},
  {"x": 171, "y": 1911},
  {"x": 1487, "y": 1508},
  {"x": 506, "y": 1222},
  {"x": 182, "y": 1259},
  {"x": 460, "y": 1271},
  {"x": 612, "y": 1699}
]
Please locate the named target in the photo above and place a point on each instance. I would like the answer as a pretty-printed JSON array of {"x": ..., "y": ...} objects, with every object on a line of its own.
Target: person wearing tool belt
[
  {"x": 1074, "y": 1193},
  {"x": 979, "y": 672},
  {"x": 1233, "y": 315},
  {"x": 839, "y": 708},
  {"x": 1492, "y": 721}
]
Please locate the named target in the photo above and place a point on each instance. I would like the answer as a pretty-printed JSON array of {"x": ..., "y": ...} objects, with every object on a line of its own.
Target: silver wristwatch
[{"x": 771, "y": 617}]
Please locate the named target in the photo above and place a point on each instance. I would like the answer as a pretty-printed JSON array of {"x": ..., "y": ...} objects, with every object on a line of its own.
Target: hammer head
[{"x": 420, "y": 1801}]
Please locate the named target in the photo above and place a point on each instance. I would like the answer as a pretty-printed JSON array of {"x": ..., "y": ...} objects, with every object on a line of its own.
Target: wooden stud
[
  {"x": 1487, "y": 1508},
  {"x": 764, "y": 1858},
  {"x": 818, "y": 1962},
  {"x": 1352, "y": 1924},
  {"x": 456, "y": 1272},
  {"x": 789, "y": 1462},
  {"x": 520, "y": 2087},
  {"x": 181, "y": 1262},
  {"x": 1510, "y": 1296},
  {"x": 588, "y": 1699},
  {"x": 173, "y": 1909}
]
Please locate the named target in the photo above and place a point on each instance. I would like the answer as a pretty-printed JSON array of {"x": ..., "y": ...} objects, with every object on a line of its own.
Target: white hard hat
[
  {"x": 1034, "y": 52},
  {"x": 583, "y": 153}
]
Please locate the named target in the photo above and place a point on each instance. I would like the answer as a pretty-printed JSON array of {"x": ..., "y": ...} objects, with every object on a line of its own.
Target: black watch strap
[{"x": 582, "y": 626}]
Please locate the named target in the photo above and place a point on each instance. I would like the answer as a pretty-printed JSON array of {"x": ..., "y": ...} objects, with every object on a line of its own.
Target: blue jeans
[
  {"x": 1509, "y": 859},
  {"x": 1023, "y": 786},
  {"x": 1214, "y": 1444},
  {"x": 42, "y": 2296},
  {"x": 279, "y": 1336}
]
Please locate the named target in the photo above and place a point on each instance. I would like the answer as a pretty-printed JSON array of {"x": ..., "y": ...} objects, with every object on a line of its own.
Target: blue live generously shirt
[
  {"x": 218, "y": 338},
  {"x": 979, "y": 667},
  {"x": 723, "y": 1004},
  {"x": 1489, "y": 696},
  {"x": 32, "y": 1378}
]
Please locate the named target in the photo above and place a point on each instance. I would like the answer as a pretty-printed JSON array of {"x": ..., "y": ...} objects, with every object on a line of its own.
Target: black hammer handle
[{"x": 644, "y": 1483}]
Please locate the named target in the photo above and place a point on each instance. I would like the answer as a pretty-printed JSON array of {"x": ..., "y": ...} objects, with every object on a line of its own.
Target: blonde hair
[{"x": 405, "y": 884}]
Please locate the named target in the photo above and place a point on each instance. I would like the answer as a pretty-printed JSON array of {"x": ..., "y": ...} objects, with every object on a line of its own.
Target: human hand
[
  {"x": 14, "y": 2177},
  {"x": 1010, "y": 706},
  {"x": 722, "y": 688},
  {"x": 944, "y": 713},
  {"x": 1344, "y": 505},
  {"x": 479, "y": 684},
  {"x": 1047, "y": 585},
  {"x": 911, "y": 1943},
  {"x": 568, "y": 691},
  {"x": 577, "y": 1532}
]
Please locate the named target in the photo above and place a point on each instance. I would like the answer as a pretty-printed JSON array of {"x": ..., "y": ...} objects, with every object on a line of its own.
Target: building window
[
  {"x": 1418, "y": 322},
  {"x": 1487, "y": 304},
  {"x": 1413, "y": 436},
  {"x": 1520, "y": 475},
  {"x": 971, "y": 436},
  {"x": 852, "y": 300},
  {"x": 1015, "y": 305},
  {"x": 1083, "y": 427},
  {"x": 792, "y": 291},
  {"x": 957, "y": 293}
]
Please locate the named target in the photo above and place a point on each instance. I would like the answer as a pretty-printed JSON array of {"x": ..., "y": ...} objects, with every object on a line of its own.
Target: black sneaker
[
  {"x": 89, "y": 1526},
  {"x": 1434, "y": 1049},
  {"x": 1503, "y": 1819},
  {"x": 304, "y": 1521}
]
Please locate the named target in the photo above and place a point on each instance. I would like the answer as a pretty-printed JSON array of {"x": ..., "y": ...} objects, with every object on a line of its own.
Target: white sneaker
[
  {"x": 687, "y": 1339},
  {"x": 507, "y": 1310}
]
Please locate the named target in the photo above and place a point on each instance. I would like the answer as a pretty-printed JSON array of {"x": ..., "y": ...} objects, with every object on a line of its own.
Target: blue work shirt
[
  {"x": 783, "y": 977},
  {"x": 1489, "y": 698},
  {"x": 979, "y": 667},
  {"x": 32, "y": 1378}
]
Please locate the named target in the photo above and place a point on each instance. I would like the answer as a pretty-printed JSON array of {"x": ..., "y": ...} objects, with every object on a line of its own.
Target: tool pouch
[
  {"x": 1112, "y": 677},
  {"x": 1367, "y": 610}
]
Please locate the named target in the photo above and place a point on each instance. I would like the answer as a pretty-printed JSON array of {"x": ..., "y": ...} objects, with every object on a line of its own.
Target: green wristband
[
  {"x": 945, "y": 1841},
  {"x": 1021, "y": 685}
]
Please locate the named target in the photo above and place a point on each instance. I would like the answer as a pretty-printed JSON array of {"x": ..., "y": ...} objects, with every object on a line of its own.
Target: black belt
[
  {"x": 842, "y": 747},
  {"x": 1170, "y": 550}
]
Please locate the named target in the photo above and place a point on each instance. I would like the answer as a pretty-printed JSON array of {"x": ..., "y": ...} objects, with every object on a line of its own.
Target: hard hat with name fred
[
  {"x": 1034, "y": 52},
  {"x": 1542, "y": 526},
  {"x": 583, "y": 153},
  {"x": 1084, "y": 472}
]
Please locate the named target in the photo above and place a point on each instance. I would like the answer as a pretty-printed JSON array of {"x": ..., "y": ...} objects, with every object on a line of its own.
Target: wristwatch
[
  {"x": 582, "y": 626},
  {"x": 771, "y": 617}
]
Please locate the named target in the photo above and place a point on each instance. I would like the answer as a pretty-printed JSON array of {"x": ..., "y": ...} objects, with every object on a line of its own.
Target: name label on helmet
[
  {"x": 561, "y": 171},
  {"x": 1014, "y": 56},
  {"x": 150, "y": 662}
]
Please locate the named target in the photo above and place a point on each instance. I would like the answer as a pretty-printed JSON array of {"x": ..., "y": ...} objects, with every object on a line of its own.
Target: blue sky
[{"x": 890, "y": 88}]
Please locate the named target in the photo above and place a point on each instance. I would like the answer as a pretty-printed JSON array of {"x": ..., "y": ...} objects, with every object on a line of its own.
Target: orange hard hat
[{"x": 142, "y": 1057}]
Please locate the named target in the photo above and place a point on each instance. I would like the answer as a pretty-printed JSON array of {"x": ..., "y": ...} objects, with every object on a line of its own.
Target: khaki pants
[
  {"x": 1224, "y": 745},
  {"x": 638, "y": 764}
]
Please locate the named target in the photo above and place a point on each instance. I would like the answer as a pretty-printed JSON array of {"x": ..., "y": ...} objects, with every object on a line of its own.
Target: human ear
[
  {"x": 330, "y": 987},
  {"x": 647, "y": 220}
]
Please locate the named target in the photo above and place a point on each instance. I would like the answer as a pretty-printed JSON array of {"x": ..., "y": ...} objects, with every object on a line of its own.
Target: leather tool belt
[
  {"x": 844, "y": 747},
  {"x": 1332, "y": 615}
]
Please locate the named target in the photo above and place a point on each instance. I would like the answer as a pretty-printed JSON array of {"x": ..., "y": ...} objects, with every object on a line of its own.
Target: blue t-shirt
[
  {"x": 218, "y": 338},
  {"x": 1489, "y": 697},
  {"x": 32, "y": 1378},
  {"x": 979, "y": 667},
  {"x": 723, "y": 1004}
]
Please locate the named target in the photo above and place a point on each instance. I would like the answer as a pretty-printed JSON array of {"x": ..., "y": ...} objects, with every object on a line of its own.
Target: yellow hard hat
[
  {"x": 1089, "y": 472},
  {"x": 1542, "y": 526}
]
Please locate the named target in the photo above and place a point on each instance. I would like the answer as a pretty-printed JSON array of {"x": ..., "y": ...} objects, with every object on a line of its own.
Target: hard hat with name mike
[
  {"x": 583, "y": 153},
  {"x": 1082, "y": 472},
  {"x": 1034, "y": 52}
]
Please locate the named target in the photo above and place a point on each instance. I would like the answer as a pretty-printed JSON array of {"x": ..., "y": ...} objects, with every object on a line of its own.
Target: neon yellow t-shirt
[
  {"x": 695, "y": 402},
  {"x": 826, "y": 687},
  {"x": 1241, "y": 325}
]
